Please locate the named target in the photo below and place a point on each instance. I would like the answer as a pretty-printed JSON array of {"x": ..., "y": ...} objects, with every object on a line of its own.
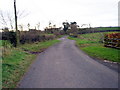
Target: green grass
[
  {"x": 0, "y": 43},
  {"x": 14, "y": 66},
  {"x": 49, "y": 34},
  {"x": 0, "y": 64},
  {"x": 91, "y": 44},
  {"x": 0, "y": 71},
  {"x": 108, "y": 28},
  {"x": 35, "y": 47},
  {"x": 16, "y": 63},
  {"x": 103, "y": 52}
]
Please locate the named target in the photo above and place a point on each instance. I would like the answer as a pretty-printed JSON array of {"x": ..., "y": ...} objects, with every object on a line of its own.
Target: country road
[{"x": 63, "y": 65}]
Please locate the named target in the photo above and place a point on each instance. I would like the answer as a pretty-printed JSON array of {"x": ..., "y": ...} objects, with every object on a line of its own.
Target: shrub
[
  {"x": 10, "y": 36},
  {"x": 112, "y": 40},
  {"x": 27, "y": 36},
  {"x": 6, "y": 47}
]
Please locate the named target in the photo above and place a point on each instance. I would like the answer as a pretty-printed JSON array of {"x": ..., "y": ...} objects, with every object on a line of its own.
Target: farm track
[{"x": 65, "y": 66}]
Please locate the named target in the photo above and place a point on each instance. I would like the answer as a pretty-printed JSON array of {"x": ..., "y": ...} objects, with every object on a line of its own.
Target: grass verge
[
  {"x": 15, "y": 64},
  {"x": 91, "y": 44},
  {"x": 36, "y": 47}
]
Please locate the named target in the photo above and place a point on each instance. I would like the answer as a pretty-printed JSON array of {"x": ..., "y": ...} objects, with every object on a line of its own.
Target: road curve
[{"x": 65, "y": 66}]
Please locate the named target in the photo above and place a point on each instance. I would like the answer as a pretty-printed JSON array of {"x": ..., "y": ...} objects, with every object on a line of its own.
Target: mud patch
[{"x": 34, "y": 52}]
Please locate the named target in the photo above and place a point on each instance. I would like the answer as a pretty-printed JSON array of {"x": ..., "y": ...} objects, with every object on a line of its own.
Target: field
[
  {"x": 92, "y": 44},
  {"x": 17, "y": 60},
  {"x": 108, "y": 28}
]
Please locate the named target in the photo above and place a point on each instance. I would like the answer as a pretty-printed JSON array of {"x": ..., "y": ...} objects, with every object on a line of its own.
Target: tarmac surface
[{"x": 63, "y": 65}]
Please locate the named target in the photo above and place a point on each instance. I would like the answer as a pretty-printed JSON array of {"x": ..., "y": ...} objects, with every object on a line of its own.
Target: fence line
[
  {"x": 112, "y": 42},
  {"x": 95, "y": 31}
]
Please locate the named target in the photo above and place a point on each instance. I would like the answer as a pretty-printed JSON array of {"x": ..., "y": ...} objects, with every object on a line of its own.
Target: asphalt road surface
[{"x": 65, "y": 66}]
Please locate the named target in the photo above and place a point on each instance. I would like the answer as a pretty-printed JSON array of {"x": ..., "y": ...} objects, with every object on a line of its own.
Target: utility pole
[{"x": 17, "y": 32}]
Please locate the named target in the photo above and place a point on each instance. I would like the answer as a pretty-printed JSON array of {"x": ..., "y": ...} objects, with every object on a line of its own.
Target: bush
[
  {"x": 34, "y": 36},
  {"x": 10, "y": 36},
  {"x": 6, "y": 47},
  {"x": 27, "y": 37},
  {"x": 112, "y": 40}
]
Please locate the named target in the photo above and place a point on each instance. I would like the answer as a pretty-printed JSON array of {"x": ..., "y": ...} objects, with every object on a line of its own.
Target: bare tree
[
  {"x": 35, "y": 27},
  {"x": 38, "y": 25},
  {"x": 7, "y": 18},
  {"x": 54, "y": 26},
  {"x": 28, "y": 26},
  {"x": 2, "y": 19},
  {"x": 11, "y": 20},
  {"x": 50, "y": 24},
  {"x": 22, "y": 14},
  {"x": 66, "y": 26},
  {"x": 74, "y": 29},
  {"x": 21, "y": 27}
]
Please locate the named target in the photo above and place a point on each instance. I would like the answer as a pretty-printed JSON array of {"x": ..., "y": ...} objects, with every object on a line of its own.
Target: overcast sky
[{"x": 94, "y": 12}]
